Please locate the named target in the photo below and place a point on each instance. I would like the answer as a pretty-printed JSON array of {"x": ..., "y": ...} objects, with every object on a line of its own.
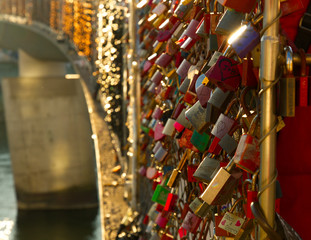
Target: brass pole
[
  {"x": 268, "y": 63},
  {"x": 134, "y": 100}
]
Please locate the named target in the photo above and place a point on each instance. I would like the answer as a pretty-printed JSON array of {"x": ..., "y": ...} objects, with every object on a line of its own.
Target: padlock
[
  {"x": 225, "y": 123},
  {"x": 161, "y": 154},
  {"x": 157, "y": 113},
  {"x": 225, "y": 74},
  {"x": 163, "y": 60},
  {"x": 169, "y": 129},
  {"x": 214, "y": 148},
  {"x": 240, "y": 6},
  {"x": 183, "y": 8},
  {"x": 190, "y": 171},
  {"x": 211, "y": 62},
  {"x": 157, "y": 77},
  {"x": 178, "y": 109},
  {"x": 184, "y": 85},
  {"x": 252, "y": 196},
  {"x": 229, "y": 22},
  {"x": 222, "y": 185},
  {"x": 156, "y": 147},
  {"x": 196, "y": 116},
  {"x": 200, "y": 140},
  {"x": 191, "y": 222},
  {"x": 161, "y": 192},
  {"x": 191, "y": 28},
  {"x": 228, "y": 142},
  {"x": 207, "y": 169},
  {"x": 247, "y": 40},
  {"x": 171, "y": 200},
  {"x": 203, "y": 94},
  {"x": 303, "y": 80},
  {"x": 200, "y": 208},
  {"x": 182, "y": 120},
  {"x": 214, "y": 18},
  {"x": 182, "y": 70},
  {"x": 231, "y": 222},
  {"x": 152, "y": 212},
  {"x": 220, "y": 99},
  {"x": 162, "y": 219},
  {"x": 287, "y": 87},
  {"x": 158, "y": 129},
  {"x": 203, "y": 28},
  {"x": 247, "y": 72},
  {"x": 247, "y": 155},
  {"x": 175, "y": 173}
]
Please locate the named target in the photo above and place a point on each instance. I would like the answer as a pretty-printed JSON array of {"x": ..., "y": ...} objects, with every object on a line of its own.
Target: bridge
[{"x": 46, "y": 112}]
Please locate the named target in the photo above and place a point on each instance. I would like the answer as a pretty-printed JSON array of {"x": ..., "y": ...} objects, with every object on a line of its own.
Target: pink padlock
[
  {"x": 183, "y": 68},
  {"x": 191, "y": 29},
  {"x": 163, "y": 60},
  {"x": 157, "y": 77},
  {"x": 162, "y": 219},
  {"x": 191, "y": 222},
  {"x": 142, "y": 171},
  {"x": 178, "y": 126},
  {"x": 157, "y": 113},
  {"x": 151, "y": 173}
]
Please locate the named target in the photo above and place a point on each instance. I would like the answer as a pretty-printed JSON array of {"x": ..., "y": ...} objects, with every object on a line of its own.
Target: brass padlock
[
  {"x": 287, "y": 87},
  {"x": 221, "y": 187}
]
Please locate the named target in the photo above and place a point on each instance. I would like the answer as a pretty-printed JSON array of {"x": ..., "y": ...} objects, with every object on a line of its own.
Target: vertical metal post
[
  {"x": 134, "y": 100},
  {"x": 269, "y": 54}
]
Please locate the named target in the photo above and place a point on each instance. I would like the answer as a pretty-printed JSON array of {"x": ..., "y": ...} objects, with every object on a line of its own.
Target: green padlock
[
  {"x": 200, "y": 141},
  {"x": 160, "y": 195}
]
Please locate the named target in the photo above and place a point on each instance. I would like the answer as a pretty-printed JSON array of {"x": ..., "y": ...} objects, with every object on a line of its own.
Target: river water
[{"x": 37, "y": 225}]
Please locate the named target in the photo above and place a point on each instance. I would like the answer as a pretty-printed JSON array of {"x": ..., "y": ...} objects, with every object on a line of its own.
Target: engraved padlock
[
  {"x": 207, "y": 169},
  {"x": 225, "y": 74},
  {"x": 220, "y": 189},
  {"x": 224, "y": 123},
  {"x": 196, "y": 116},
  {"x": 231, "y": 222}
]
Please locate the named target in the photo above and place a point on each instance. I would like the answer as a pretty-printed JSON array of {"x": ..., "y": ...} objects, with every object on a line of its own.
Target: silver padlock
[
  {"x": 196, "y": 116},
  {"x": 221, "y": 99},
  {"x": 207, "y": 169}
]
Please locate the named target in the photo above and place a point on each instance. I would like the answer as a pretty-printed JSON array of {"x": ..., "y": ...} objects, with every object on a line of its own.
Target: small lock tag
[{"x": 231, "y": 223}]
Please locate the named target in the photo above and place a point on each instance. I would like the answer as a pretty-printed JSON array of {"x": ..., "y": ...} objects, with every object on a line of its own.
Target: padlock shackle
[
  {"x": 289, "y": 60},
  {"x": 183, "y": 160},
  {"x": 236, "y": 204},
  {"x": 253, "y": 125},
  {"x": 242, "y": 100},
  {"x": 230, "y": 165},
  {"x": 254, "y": 180},
  {"x": 230, "y": 106}
]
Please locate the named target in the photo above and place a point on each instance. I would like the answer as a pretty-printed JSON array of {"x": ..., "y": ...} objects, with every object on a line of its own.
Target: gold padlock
[{"x": 221, "y": 187}]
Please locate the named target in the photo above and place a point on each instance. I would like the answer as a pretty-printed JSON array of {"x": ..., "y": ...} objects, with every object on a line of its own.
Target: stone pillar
[{"x": 49, "y": 136}]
